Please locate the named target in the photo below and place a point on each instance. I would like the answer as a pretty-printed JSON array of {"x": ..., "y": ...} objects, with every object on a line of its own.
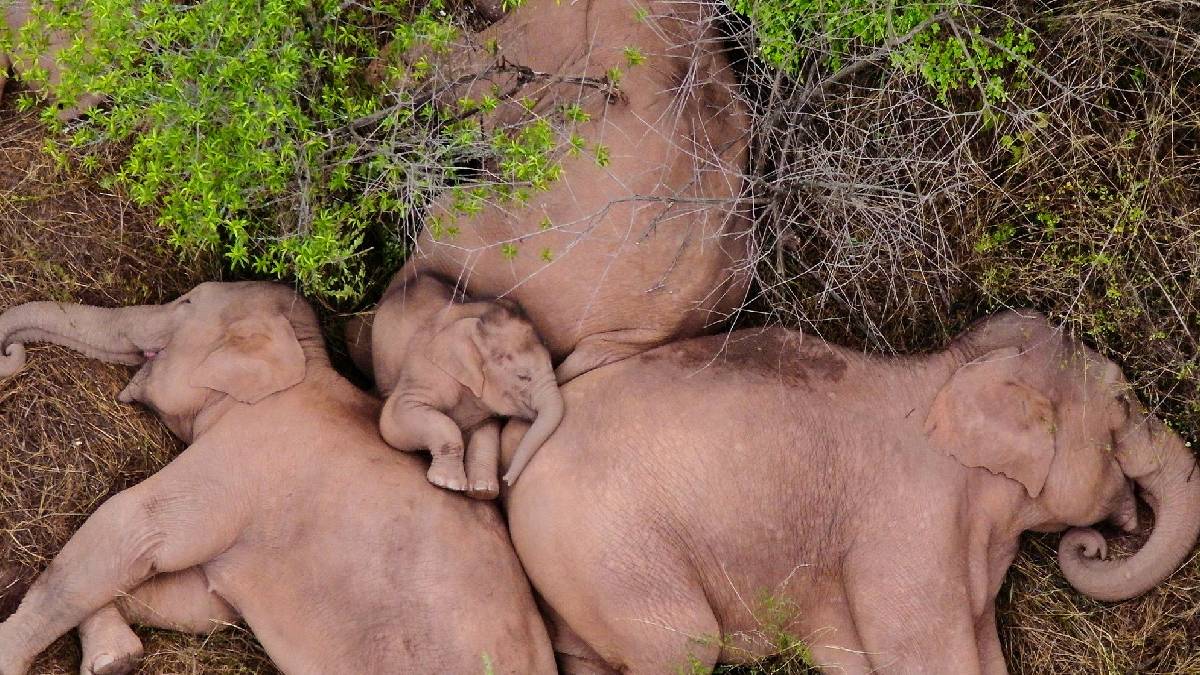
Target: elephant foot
[
  {"x": 113, "y": 664},
  {"x": 483, "y": 489},
  {"x": 110, "y": 647},
  {"x": 449, "y": 477}
]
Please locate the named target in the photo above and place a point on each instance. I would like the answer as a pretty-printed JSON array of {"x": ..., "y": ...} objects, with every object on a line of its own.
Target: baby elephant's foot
[
  {"x": 483, "y": 489},
  {"x": 449, "y": 477}
]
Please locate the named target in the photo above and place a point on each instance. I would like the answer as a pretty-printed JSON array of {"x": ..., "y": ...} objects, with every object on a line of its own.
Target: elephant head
[
  {"x": 1045, "y": 411},
  {"x": 241, "y": 341},
  {"x": 500, "y": 359}
]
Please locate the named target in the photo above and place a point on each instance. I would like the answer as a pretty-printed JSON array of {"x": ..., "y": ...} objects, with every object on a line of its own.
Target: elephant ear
[
  {"x": 985, "y": 416},
  {"x": 455, "y": 350},
  {"x": 258, "y": 356}
]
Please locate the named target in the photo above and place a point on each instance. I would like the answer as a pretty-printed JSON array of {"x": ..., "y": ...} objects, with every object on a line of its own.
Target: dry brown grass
[
  {"x": 66, "y": 444},
  {"x": 1049, "y": 628}
]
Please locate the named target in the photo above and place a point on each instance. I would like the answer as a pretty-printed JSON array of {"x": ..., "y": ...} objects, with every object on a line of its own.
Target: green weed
[
  {"x": 920, "y": 37},
  {"x": 250, "y": 129}
]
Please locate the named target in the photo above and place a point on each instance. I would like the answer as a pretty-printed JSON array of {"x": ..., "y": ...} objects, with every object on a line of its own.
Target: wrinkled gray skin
[
  {"x": 16, "y": 15},
  {"x": 447, "y": 368},
  {"x": 650, "y": 248},
  {"x": 880, "y": 499},
  {"x": 286, "y": 510}
]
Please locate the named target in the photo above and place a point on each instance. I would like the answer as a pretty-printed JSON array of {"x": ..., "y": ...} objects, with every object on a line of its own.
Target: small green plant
[
  {"x": 614, "y": 75},
  {"x": 634, "y": 56},
  {"x": 774, "y": 616},
  {"x": 602, "y": 155},
  {"x": 999, "y": 236},
  {"x": 917, "y": 33}
]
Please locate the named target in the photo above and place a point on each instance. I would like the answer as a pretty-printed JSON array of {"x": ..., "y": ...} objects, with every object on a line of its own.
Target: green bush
[
  {"x": 917, "y": 37},
  {"x": 244, "y": 123},
  {"x": 248, "y": 124}
]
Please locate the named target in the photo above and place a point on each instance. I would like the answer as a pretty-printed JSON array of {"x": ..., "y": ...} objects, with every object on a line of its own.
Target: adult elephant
[
  {"x": 711, "y": 494},
  {"x": 286, "y": 510},
  {"x": 641, "y": 240}
]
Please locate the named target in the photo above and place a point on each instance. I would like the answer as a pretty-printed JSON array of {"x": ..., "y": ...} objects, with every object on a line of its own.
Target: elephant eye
[
  {"x": 1124, "y": 410},
  {"x": 1124, "y": 401}
]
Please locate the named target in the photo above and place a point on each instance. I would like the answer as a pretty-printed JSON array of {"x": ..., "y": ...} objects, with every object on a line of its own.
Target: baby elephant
[{"x": 449, "y": 367}]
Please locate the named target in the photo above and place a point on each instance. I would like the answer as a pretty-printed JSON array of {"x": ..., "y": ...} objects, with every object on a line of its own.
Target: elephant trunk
[
  {"x": 1170, "y": 483},
  {"x": 548, "y": 403},
  {"x": 96, "y": 332}
]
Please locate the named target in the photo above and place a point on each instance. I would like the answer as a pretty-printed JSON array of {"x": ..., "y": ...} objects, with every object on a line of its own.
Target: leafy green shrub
[
  {"x": 918, "y": 37},
  {"x": 250, "y": 128},
  {"x": 249, "y": 125}
]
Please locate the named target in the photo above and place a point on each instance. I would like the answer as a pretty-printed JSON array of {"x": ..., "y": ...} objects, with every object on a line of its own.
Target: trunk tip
[
  {"x": 12, "y": 360},
  {"x": 1084, "y": 542}
]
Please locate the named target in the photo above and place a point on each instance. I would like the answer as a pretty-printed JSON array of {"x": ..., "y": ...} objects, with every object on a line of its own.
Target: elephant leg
[
  {"x": 638, "y": 625},
  {"x": 483, "y": 461},
  {"x": 164, "y": 524},
  {"x": 569, "y": 664},
  {"x": 681, "y": 634},
  {"x": 573, "y": 655},
  {"x": 921, "y": 623},
  {"x": 835, "y": 644},
  {"x": 991, "y": 654},
  {"x": 109, "y": 646},
  {"x": 412, "y": 425},
  {"x": 178, "y": 601}
]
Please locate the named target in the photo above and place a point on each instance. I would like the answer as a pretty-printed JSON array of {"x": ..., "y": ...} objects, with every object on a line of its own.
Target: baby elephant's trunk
[{"x": 548, "y": 403}]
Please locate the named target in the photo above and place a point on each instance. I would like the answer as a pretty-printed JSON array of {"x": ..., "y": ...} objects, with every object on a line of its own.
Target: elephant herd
[{"x": 666, "y": 490}]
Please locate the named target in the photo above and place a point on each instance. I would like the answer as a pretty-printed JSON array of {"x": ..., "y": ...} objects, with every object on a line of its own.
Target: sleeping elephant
[
  {"x": 695, "y": 491},
  {"x": 447, "y": 368},
  {"x": 620, "y": 255},
  {"x": 286, "y": 510}
]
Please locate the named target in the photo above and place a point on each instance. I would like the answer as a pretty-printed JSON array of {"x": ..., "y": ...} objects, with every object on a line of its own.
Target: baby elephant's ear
[
  {"x": 456, "y": 351},
  {"x": 986, "y": 416},
  {"x": 258, "y": 356}
]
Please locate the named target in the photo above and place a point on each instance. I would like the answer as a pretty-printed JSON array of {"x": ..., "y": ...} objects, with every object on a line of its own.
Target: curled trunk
[
  {"x": 1170, "y": 483},
  {"x": 549, "y": 406}
]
